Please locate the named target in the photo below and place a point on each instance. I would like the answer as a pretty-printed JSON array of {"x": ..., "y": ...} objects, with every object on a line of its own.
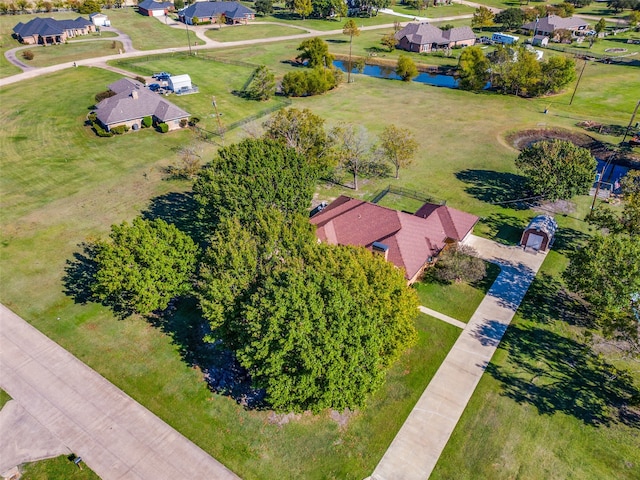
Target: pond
[{"x": 378, "y": 71}]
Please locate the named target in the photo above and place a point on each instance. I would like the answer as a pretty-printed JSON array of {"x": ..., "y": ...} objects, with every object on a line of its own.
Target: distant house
[
  {"x": 547, "y": 26},
  {"x": 100, "y": 20},
  {"x": 47, "y": 31},
  {"x": 424, "y": 37},
  {"x": 132, "y": 102},
  {"x": 540, "y": 41},
  {"x": 408, "y": 241},
  {"x": 152, "y": 8},
  {"x": 233, "y": 12},
  {"x": 540, "y": 233}
]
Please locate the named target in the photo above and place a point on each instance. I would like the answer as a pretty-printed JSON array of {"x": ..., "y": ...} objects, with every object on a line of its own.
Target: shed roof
[
  {"x": 411, "y": 239},
  {"x": 543, "y": 223},
  {"x": 154, "y": 5}
]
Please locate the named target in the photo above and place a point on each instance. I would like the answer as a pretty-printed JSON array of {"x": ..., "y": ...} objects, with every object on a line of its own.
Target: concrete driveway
[
  {"x": 85, "y": 414},
  {"x": 415, "y": 450}
]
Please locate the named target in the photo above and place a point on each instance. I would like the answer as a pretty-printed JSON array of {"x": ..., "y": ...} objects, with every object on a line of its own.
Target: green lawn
[
  {"x": 251, "y": 31},
  {"x": 457, "y": 300},
  {"x": 57, "y": 468},
  {"x": 71, "y": 191},
  {"x": 4, "y": 398},
  {"x": 72, "y": 51},
  {"x": 548, "y": 406},
  {"x": 281, "y": 15},
  {"x": 434, "y": 12},
  {"x": 147, "y": 33}
]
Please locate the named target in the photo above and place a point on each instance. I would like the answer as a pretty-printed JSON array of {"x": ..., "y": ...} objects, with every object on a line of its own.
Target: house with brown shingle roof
[
  {"x": 424, "y": 37},
  {"x": 132, "y": 102},
  {"x": 408, "y": 241},
  {"x": 550, "y": 24}
]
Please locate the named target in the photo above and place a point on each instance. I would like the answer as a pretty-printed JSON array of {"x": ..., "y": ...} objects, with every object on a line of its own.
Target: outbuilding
[
  {"x": 180, "y": 83},
  {"x": 100, "y": 20},
  {"x": 540, "y": 41},
  {"x": 540, "y": 233}
]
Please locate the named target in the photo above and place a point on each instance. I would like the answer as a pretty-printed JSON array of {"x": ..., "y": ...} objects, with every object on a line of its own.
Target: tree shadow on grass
[
  {"x": 557, "y": 374},
  {"x": 79, "y": 274},
  {"x": 191, "y": 333},
  {"x": 504, "y": 228},
  {"x": 547, "y": 301},
  {"x": 179, "y": 209},
  {"x": 568, "y": 239},
  {"x": 495, "y": 187}
]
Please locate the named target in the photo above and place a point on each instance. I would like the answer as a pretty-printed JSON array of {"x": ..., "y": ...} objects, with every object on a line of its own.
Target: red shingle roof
[{"x": 411, "y": 239}]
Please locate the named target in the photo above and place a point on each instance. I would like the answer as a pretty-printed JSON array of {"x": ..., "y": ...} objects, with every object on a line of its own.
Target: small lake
[{"x": 378, "y": 71}]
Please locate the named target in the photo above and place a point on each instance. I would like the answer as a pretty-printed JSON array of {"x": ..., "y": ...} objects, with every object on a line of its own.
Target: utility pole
[
  {"x": 604, "y": 170},
  {"x": 215, "y": 106},
  {"x": 578, "y": 82},
  {"x": 633, "y": 116}
]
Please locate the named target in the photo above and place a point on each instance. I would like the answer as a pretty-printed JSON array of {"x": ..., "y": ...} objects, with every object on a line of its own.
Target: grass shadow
[
  {"x": 494, "y": 187},
  {"x": 547, "y": 300},
  {"x": 504, "y": 228},
  {"x": 79, "y": 274},
  {"x": 191, "y": 334},
  {"x": 180, "y": 209},
  {"x": 559, "y": 375}
]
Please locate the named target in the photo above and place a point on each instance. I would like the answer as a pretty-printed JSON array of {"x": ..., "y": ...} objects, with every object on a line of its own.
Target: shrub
[
  {"x": 28, "y": 55},
  {"x": 141, "y": 80},
  {"x": 163, "y": 127},
  {"x": 193, "y": 121},
  {"x": 310, "y": 82},
  {"x": 120, "y": 129},
  {"x": 183, "y": 122},
  {"x": 92, "y": 117},
  {"x": 101, "y": 132},
  {"x": 102, "y": 95},
  {"x": 456, "y": 264},
  {"x": 147, "y": 121}
]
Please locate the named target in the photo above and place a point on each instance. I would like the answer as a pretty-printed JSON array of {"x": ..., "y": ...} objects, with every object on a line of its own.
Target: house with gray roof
[
  {"x": 48, "y": 31},
  {"x": 154, "y": 8},
  {"x": 550, "y": 24},
  {"x": 424, "y": 37},
  {"x": 132, "y": 102},
  {"x": 232, "y": 12}
]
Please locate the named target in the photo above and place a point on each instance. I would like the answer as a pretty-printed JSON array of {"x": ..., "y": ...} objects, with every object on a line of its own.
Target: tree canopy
[
  {"x": 399, "y": 146},
  {"x": 510, "y": 18},
  {"x": 406, "y": 68},
  {"x": 143, "y": 266},
  {"x": 315, "y": 325},
  {"x": 263, "y": 84},
  {"x": 482, "y": 17},
  {"x": 252, "y": 174},
  {"x": 628, "y": 221},
  {"x": 316, "y": 52},
  {"x": 557, "y": 169},
  {"x": 474, "y": 69},
  {"x": 459, "y": 263},
  {"x": 606, "y": 273}
]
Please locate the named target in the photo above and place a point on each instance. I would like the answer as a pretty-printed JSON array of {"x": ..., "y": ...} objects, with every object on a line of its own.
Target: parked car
[
  {"x": 161, "y": 76},
  {"x": 154, "y": 87}
]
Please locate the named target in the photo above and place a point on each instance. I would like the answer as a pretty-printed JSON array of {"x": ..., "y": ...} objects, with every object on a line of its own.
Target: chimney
[
  {"x": 380, "y": 249},
  {"x": 134, "y": 95}
]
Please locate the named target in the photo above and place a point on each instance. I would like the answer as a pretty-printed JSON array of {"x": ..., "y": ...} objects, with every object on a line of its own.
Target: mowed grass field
[{"x": 62, "y": 185}]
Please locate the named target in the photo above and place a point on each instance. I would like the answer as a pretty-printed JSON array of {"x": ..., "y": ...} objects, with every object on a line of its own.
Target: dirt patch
[
  {"x": 563, "y": 207},
  {"x": 524, "y": 138},
  {"x": 282, "y": 418},
  {"x": 342, "y": 419}
]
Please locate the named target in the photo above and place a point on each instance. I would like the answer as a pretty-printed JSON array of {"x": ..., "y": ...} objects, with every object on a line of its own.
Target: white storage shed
[{"x": 180, "y": 83}]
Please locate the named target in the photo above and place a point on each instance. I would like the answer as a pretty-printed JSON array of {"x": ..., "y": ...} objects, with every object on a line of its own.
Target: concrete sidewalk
[
  {"x": 116, "y": 436},
  {"x": 414, "y": 452}
]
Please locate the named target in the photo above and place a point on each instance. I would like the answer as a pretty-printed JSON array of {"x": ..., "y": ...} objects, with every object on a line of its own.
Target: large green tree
[
  {"x": 557, "y": 169},
  {"x": 143, "y": 266},
  {"x": 303, "y": 131},
  {"x": 398, "y": 146},
  {"x": 510, "y": 18},
  {"x": 523, "y": 74},
  {"x": 302, "y": 8},
  {"x": 264, "y": 7},
  {"x": 263, "y": 84},
  {"x": 252, "y": 174},
  {"x": 482, "y": 18},
  {"x": 557, "y": 72},
  {"x": 473, "y": 69},
  {"x": 606, "y": 273},
  {"x": 316, "y": 52},
  {"x": 406, "y": 68}
]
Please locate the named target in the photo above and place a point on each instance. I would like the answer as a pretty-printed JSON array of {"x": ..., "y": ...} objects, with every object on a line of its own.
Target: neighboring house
[
  {"x": 547, "y": 26},
  {"x": 100, "y": 20},
  {"x": 408, "y": 241},
  {"x": 233, "y": 13},
  {"x": 151, "y": 8},
  {"x": 424, "y": 37},
  {"x": 540, "y": 233},
  {"x": 132, "y": 102},
  {"x": 540, "y": 41},
  {"x": 48, "y": 31}
]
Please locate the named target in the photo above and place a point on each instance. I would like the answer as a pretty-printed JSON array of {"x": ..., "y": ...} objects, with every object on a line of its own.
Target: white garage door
[{"x": 535, "y": 241}]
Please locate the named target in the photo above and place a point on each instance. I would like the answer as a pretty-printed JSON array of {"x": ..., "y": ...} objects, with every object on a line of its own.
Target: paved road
[
  {"x": 414, "y": 452},
  {"x": 116, "y": 436}
]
